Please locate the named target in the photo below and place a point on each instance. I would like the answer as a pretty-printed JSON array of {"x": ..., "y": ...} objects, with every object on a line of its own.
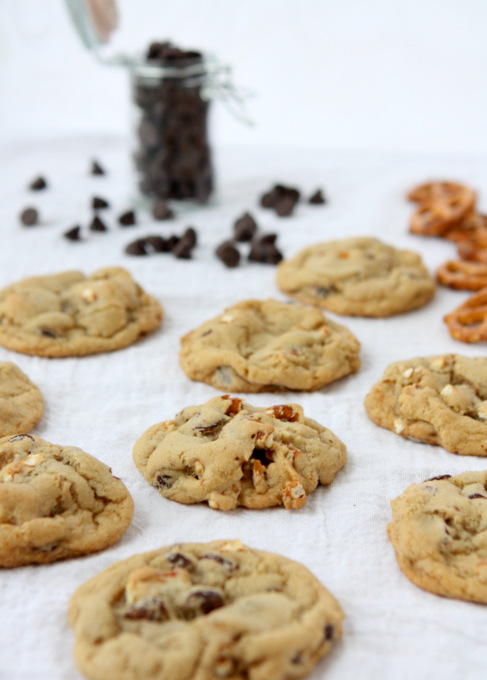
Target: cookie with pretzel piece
[
  {"x": 439, "y": 534},
  {"x": 56, "y": 502},
  {"x": 201, "y": 611},
  {"x": 439, "y": 400},
  {"x": 228, "y": 453}
]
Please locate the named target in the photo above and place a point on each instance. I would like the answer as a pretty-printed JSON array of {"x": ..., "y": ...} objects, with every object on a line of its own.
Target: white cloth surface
[{"x": 103, "y": 403}]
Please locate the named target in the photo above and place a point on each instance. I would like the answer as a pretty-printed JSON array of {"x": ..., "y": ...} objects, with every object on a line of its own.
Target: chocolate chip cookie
[
  {"x": 440, "y": 400},
  {"x": 229, "y": 453},
  {"x": 269, "y": 346},
  {"x": 439, "y": 533},
  {"x": 70, "y": 314},
  {"x": 21, "y": 403},
  {"x": 201, "y": 611},
  {"x": 358, "y": 276},
  {"x": 56, "y": 502}
]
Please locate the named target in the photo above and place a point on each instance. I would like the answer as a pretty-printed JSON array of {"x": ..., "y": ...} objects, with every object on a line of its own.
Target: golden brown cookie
[
  {"x": 70, "y": 314},
  {"x": 203, "y": 611},
  {"x": 358, "y": 276},
  {"x": 21, "y": 402},
  {"x": 229, "y": 453},
  {"x": 56, "y": 502},
  {"x": 439, "y": 533},
  {"x": 268, "y": 346},
  {"x": 440, "y": 400}
]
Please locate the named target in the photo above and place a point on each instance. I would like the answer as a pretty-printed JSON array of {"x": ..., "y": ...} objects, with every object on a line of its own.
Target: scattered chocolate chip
[
  {"x": 157, "y": 243},
  {"x": 38, "y": 184},
  {"x": 164, "y": 481},
  {"x": 73, "y": 234},
  {"x": 203, "y": 602},
  {"x": 172, "y": 242},
  {"x": 161, "y": 211},
  {"x": 317, "y": 198},
  {"x": 285, "y": 206},
  {"x": 137, "y": 247},
  {"x": 98, "y": 203},
  {"x": 29, "y": 217},
  {"x": 97, "y": 225},
  {"x": 96, "y": 169},
  {"x": 190, "y": 237},
  {"x": 228, "y": 254},
  {"x": 127, "y": 219},
  {"x": 432, "y": 479},
  {"x": 329, "y": 631},
  {"x": 183, "y": 250},
  {"x": 245, "y": 228},
  {"x": 281, "y": 198},
  {"x": 264, "y": 250},
  {"x": 179, "y": 560},
  {"x": 48, "y": 333},
  {"x": 477, "y": 495}
]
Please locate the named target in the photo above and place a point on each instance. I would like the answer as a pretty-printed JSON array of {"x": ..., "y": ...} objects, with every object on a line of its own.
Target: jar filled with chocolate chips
[{"x": 172, "y": 151}]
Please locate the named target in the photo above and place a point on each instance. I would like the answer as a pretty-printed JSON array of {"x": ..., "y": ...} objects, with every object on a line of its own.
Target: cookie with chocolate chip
[
  {"x": 269, "y": 346},
  {"x": 21, "y": 402},
  {"x": 228, "y": 453},
  {"x": 358, "y": 276},
  {"x": 70, "y": 314},
  {"x": 439, "y": 400},
  {"x": 439, "y": 533},
  {"x": 56, "y": 502},
  {"x": 203, "y": 611}
]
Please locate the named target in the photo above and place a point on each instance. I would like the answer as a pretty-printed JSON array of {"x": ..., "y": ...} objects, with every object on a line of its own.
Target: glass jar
[{"x": 172, "y": 152}]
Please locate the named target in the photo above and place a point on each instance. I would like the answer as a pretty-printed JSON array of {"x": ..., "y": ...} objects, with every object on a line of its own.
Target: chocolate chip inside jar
[{"x": 173, "y": 155}]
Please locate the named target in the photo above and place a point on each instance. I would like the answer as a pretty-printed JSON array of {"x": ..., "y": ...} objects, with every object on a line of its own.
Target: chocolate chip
[
  {"x": 157, "y": 243},
  {"x": 262, "y": 455},
  {"x": 73, "y": 234},
  {"x": 317, "y": 198},
  {"x": 97, "y": 225},
  {"x": 285, "y": 206},
  {"x": 48, "y": 333},
  {"x": 477, "y": 495},
  {"x": 29, "y": 217},
  {"x": 38, "y": 184},
  {"x": 432, "y": 479},
  {"x": 324, "y": 291},
  {"x": 179, "y": 560},
  {"x": 20, "y": 437},
  {"x": 281, "y": 198},
  {"x": 161, "y": 211},
  {"x": 245, "y": 228},
  {"x": 263, "y": 250},
  {"x": 98, "y": 203},
  {"x": 127, "y": 219},
  {"x": 172, "y": 242},
  {"x": 164, "y": 481},
  {"x": 203, "y": 602},
  {"x": 329, "y": 631},
  {"x": 183, "y": 250},
  {"x": 137, "y": 247},
  {"x": 228, "y": 254},
  {"x": 190, "y": 236},
  {"x": 96, "y": 168},
  {"x": 219, "y": 560},
  {"x": 155, "y": 610}
]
